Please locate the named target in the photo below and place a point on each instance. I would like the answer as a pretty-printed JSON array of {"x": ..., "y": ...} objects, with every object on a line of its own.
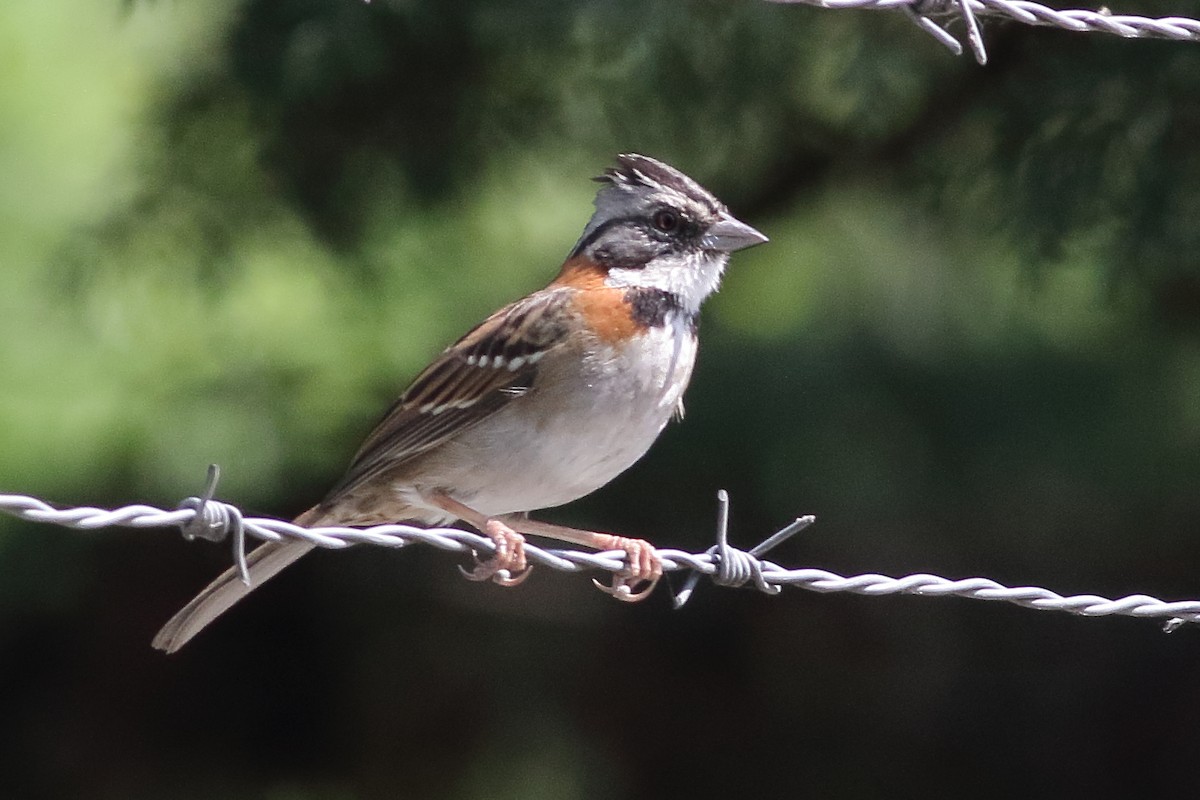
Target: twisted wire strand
[
  {"x": 925, "y": 12},
  {"x": 723, "y": 564}
]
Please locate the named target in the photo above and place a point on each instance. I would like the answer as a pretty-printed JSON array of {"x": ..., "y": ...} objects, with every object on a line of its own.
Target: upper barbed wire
[
  {"x": 932, "y": 16},
  {"x": 723, "y": 564}
]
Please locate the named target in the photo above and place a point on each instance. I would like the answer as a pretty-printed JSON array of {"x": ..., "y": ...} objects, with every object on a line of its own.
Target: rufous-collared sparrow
[{"x": 545, "y": 401}]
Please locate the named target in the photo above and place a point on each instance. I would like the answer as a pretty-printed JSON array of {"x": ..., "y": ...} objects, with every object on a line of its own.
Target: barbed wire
[
  {"x": 724, "y": 565},
  {"x": 933, "y": 17}
]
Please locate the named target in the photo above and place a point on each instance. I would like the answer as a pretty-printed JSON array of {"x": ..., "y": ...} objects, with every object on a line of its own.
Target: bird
[{"x": 545, "y": 401}]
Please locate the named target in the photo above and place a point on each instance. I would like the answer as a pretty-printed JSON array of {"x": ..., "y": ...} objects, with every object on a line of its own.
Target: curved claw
[
  {"x": 508, "y": 579},
  {"x": 476, "y": 574},
  {"x": 622, "y": 589},
  {"x": 507, "y": 566},
  {"x": 642, "y": 565},
  {"x": 485, "y": 570}
]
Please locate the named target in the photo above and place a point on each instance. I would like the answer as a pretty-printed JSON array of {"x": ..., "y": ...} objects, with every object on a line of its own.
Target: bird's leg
[
  {"x": 507, "y": 566},
  {"x": 642, "y": 562}
]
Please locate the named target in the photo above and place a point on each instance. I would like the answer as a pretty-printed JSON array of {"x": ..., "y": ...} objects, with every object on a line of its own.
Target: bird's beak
[{"x": 728, "y": 234}]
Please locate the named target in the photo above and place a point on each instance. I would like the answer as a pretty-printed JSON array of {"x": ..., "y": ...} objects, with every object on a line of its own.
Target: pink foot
[
  {"x": 507, "y": 566},
  {"x": 642, "y": 566}
]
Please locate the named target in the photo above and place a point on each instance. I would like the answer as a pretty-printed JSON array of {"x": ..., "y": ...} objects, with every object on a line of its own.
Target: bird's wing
[{"x": 489, "y": 367}]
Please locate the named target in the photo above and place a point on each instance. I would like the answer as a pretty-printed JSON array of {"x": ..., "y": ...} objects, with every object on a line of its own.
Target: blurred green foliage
[{"x": 230, "y": 232}]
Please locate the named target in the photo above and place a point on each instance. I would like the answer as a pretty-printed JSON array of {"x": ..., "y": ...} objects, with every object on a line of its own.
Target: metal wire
[
  {"x": 723, "y": 564},
  {"x": 932, "y": 16}
]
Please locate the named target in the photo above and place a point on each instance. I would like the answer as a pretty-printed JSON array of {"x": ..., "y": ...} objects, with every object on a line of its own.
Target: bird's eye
[{"x": 666, "y": 220}]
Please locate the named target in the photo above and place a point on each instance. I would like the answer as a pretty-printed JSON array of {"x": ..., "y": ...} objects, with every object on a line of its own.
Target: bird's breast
[{"x": 594, "y": 409}]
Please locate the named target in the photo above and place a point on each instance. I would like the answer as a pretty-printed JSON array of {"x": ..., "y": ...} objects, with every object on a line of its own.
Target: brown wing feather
[{"x": 495, "y": 362}]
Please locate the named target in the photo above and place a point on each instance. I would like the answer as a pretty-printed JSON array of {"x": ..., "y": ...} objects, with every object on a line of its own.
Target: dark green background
[{"x": 230, "y": 232}]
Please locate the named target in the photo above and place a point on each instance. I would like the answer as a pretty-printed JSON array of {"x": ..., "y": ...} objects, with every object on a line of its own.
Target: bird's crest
[{"x": 635, "y": 170}]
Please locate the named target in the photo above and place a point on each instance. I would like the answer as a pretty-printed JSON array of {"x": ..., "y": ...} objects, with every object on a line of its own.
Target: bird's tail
[{"x": 264, "y": 562}]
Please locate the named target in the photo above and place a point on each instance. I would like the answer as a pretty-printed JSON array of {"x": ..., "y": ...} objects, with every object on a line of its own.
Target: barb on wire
[
  {"x": 735, "y": 567},
  {"x": 215, "y": 521},
  {"x": 204, "y": 517},
  {"x": 933, "y": 17}
]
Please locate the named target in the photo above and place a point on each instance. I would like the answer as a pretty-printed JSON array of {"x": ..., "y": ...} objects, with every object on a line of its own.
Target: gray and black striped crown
[{"x": 638, "y": 170}]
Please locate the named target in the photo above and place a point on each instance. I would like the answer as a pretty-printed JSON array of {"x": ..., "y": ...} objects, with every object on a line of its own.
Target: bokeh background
[{"x": 231, "y": 231}]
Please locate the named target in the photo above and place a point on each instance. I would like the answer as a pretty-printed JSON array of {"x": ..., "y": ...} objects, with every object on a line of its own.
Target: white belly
[{"x": 585, "y": 422}]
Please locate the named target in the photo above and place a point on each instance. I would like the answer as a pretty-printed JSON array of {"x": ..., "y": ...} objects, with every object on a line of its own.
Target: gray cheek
[{"x": 633, "y": 250}]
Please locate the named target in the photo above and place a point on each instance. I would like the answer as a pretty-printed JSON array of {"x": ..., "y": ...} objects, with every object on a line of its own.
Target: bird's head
[{"x": 655, "y": 227}]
